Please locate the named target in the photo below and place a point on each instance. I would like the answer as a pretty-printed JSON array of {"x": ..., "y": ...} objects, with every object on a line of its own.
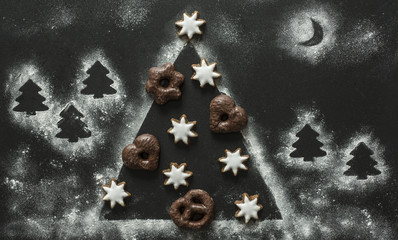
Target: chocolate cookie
[
  {"x": 195, "y": 210},
  {"x": 143, "y": 154},
  {"x": 225, "y": 116},
  {"x": 164, "y": 83}
]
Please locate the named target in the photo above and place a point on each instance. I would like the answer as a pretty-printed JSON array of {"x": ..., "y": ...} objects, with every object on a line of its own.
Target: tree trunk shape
[
  {"x": 151, "y": 199},
  {"x": 98, "y": 95},
  {"x": 73, "y": 139},
  {"x": 308, "y": 159},
  {"x": 362, "y": 177},
  {"x": 31, "y": 113}
]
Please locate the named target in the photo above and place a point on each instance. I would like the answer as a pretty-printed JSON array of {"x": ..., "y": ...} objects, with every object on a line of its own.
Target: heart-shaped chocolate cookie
[
  {"x": 225, "y": 116},
  {"x": 143, "y": 154}
]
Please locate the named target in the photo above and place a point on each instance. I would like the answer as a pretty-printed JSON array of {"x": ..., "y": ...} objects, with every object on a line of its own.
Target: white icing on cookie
[
  {"x": 182, "y": 129},
  {"x": 176, "y": 175},
  {"x": 233, "y": 161},
  {"x": 115, "y": 193},
  {"x": 205, "y": 73},
  {"x": 248, "y": 208},
  {"x": 190, "y": 25}
]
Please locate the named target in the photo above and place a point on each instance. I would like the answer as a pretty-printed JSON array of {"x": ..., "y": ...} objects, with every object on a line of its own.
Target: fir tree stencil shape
[
  {"x": 71, "y": 126},
  {"x": 30, "y": 100},
  {"x": 307, "y": 146},
  {"x": 98, "y": 83},
  {"x": 152, "y": 198},
  {"x": 362, "y": 165}
]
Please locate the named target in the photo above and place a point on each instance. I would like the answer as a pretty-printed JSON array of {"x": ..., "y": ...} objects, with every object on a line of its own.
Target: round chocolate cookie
[
  {"x": 143, "y": 154},
  {"x": 225, "y": 116},
  {"x": 195, "y": 210},
  {"x": 164, "y": 83}
]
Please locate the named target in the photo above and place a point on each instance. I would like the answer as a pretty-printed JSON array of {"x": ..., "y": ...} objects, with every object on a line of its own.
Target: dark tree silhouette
[
  {"x": 71, "y": 125},
  {"x": 153, "y": 199},
  {"x": 30, "y": 100},
  {"x": 307, "y": 146},
  {"x": 98, "y": 83},
  {"x": 362, "y": 164}
]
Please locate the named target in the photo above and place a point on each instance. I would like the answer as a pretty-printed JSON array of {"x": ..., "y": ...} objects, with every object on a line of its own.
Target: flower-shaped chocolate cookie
[{"x": 164, "y": 83}]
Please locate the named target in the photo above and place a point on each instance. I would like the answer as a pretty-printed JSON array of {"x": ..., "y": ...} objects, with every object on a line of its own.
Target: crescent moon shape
[{"x": 317, "y": 37}]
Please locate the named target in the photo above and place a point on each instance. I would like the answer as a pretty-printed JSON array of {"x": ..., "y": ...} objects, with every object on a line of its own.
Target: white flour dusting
[
  {"x": 131, "y": 14},
  {"x": 312, "y": 117},
  {"x": 308, "y": 205},
  {"x": 225, "y": 29},
  {"x": 317, "y": 212},
  {"x": 297, "y": 28},
  {"x": 20, "y": 165},
  {"x": 97, "y": 112},
  {"x": 60, "y": 17},
  {"x": 361, "y": 42},
  {"x": 109, "y": 104},
  {"x": 350, "y": 182}
]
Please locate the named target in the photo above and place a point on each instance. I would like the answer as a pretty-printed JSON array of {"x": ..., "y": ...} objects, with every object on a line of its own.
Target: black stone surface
[
  {"x": 269, "y": 83},
  {"x": 151, "y": 198}
]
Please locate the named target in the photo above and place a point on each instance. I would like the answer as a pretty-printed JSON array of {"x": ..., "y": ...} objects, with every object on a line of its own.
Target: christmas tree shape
[
  {"x": 150, "y": 198},
  {"x": 98, "y": 83},
  {"x": 307, "y": 146},
  {"x": 30, "y": 100},
  {"x": 362, "y": 165},
  {"x": 71, "y": 125}
]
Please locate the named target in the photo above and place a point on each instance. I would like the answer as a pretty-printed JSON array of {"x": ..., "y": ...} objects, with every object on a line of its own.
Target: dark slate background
[
  {"x": 268, "y": 82},
  {"x": 200, "y": 157}
]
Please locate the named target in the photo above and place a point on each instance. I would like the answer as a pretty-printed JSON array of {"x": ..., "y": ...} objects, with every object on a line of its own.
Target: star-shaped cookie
[
  {"x": 182, "y": 129},
  {"x": 248, "y": 207},
  {"x": 190, "y": 25},
  {"x": 233, "y": 161},
  {"x": 115, "y": 193},
  {"x": 176, "y": 175},
  {"x": 205, "y": 73}
]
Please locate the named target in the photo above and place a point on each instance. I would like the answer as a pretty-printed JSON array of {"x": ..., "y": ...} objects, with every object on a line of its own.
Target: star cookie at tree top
[
  {"x": 115, "y": 193},
  {"x": 190, "y": 25},
  {"x": 176, "y": 175},
  {"x": 182, "y": 129},
  {"x": 248, "y": 207},
  {"x": 205, "y": 73},
  {"x": 233, "y": 161}
]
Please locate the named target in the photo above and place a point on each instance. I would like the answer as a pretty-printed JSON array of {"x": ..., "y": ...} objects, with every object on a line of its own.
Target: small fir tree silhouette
[
  {"x": 98, "y": 83},
  {"x": 71, "y": 125},
  {"x": 307, "y": 146},
  {"x": 361, "y": 164},
  {"x": 30, "y": 100}
]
